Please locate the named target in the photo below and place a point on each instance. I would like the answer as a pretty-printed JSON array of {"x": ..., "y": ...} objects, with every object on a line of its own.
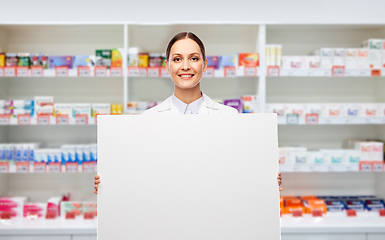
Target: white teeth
[{"x": 186, "y": 76}]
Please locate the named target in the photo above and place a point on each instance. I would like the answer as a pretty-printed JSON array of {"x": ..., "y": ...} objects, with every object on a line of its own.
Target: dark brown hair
[{"x": 184, "y": 35}]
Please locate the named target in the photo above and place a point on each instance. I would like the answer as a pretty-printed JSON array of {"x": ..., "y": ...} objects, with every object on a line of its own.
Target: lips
[{"x": 186, "y": 76}]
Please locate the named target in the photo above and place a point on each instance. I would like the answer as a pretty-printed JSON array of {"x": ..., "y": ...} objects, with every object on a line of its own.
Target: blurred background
[{"x": 319, "y": 65}]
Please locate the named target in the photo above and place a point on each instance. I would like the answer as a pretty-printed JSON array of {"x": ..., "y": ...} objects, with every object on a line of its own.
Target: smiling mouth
[{"x": 186, "y": 75}]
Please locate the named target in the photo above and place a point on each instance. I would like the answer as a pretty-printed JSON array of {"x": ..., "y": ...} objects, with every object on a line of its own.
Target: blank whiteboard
[{"x": 188, "y": 177}]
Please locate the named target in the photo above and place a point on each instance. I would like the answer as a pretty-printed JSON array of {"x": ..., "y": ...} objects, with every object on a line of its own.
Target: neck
[{"x": 188, "y": 95}]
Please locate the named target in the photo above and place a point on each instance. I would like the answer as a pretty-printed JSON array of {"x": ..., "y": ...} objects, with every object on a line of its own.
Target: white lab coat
[{"x": 208, "y": 107}]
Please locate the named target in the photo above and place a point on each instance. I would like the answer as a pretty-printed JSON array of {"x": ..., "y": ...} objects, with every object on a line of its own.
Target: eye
[
  {"x": 194, "y": 59},
  {"x": 177, "y": 59}
]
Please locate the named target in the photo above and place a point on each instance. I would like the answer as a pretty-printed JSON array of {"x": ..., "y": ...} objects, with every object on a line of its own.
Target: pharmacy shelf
[
  {"x": 289, "y": 224},
  {"x": 46, "y": 120},
  {"x": 339, "y": 223},
  {"x": 62, "y": 72},
  {"x": 326, "y": 168},
  {"x": 325, "y": 73},
  {"x": 293, "y": 120},
  {"x": 30, "y": 168}
]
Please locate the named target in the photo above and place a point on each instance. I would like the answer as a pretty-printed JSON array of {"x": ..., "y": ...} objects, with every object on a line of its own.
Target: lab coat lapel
[
  {"x": 166, "y": 107},
  {"x": 208, "y": 106}
]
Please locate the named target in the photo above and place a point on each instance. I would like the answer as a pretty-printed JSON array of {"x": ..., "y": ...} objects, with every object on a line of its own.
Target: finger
[
  {"x": 279, "y": 174},
  {"x": 95, "y": 192},
  {"x": 96, "y": 187},
  {"x": 280, "y": 189},
  {"x": 97, "y": 181},
  {"x": 97, "y": 177}
]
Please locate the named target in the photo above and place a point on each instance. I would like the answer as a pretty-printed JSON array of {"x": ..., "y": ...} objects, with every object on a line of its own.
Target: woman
[{"x": 185, "y": 62}]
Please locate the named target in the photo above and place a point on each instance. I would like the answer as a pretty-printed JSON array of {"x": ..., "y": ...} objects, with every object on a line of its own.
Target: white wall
[{"x": 245, "y": 11}]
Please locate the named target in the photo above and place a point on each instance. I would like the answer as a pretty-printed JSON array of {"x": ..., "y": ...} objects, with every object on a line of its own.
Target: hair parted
[{"x": 185, "y": 35}]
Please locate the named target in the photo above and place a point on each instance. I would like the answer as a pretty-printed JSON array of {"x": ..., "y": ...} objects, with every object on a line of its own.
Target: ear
[
  {"x": 167, "y": 67},
  {"x": 205, "y": 65}
]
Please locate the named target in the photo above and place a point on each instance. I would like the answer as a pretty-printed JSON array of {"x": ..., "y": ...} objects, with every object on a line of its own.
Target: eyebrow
[{"x": 181, "y": 54}]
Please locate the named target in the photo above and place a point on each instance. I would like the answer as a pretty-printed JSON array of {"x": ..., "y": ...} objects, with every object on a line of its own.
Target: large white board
[{"x": 188, "y": 177}]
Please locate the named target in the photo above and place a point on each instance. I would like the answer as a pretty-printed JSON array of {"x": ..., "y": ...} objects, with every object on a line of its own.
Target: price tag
[
  {"x": 310, "y": 73},
  {"x": 9, "y": 71},
  {"x": 338, "y": 71},
  {"x": 37, "y": 71},
  {"x": 311, "y": 118},
  {"x": 349, "y": 120},
  {"x": 210, "y": 72},
  {"x": 316, "y": 213},
  {"x": 378, "y": 166},
  {"x": 70, "y": 215},
  {"x": 89, "y": 166},
  {"x": 153, "y": 72},
  {"x": 89, "y": 215},
  {"x": 368, "y": 120},
  {"x": 351, "y": 212},
  {"x": 292, "y": 119},
  {"x": 164, "y": 73},
  {"x": 6, "y": 215},
  {"x": 54, "y": 167},
  {"x": 376, "y": 72},
  {"x": 50, "y": 215},
  {"x": 4, "y": 167},
  {"x": 22, "y": 167},
  {"x": 22, "y": 71},
  {"x": 1, "y": 72},
  {"x": 62, "y": 119},
  {"x": 296, "y": 168},
  {"x": 39, "y": 167},
  {"x": 61, "y": 71},
  {"x": 133, "y": 71},
  {"x": 81, "y": 119},
  {"x": 142, "y": 72},
  {"x": 43, "y": 119},
  {"x": 363, "y": 73},
  {"x": 116, "y": 72},
  {"x": 381, "y": 212},
  {"x": 71, "y": 167},
  {"x": 230, "y": 72},
  {"x": 297, "y": 212},
  {"x": 365, "y": 167},
  {"x": 273, "y": 71},
  {"x": 4, "y": 119},
  {"x": 84, "y": 71},
  {"x": 100, "y": 71},
  {"x": 23, "y": 119},
  {"x": 250, "y": 71}
]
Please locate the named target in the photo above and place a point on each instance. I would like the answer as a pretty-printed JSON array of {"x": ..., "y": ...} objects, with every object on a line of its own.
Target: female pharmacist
[{"x": 186, "y": 62}]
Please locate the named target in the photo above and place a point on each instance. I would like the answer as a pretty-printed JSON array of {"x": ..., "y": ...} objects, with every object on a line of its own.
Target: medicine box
[
  {"x": 81, "y": 109},
  {"x": 101, "y": 109},
  {"x": 339, "y": 57},
  {"x": 63, "y": 109}
]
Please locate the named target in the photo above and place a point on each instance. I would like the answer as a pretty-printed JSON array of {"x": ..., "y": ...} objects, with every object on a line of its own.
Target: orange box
[
  {"x": 248, "y": 59},
  {"x": 312, "y": 204}
]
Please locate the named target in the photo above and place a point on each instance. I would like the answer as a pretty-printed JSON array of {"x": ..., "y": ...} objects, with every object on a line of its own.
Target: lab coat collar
[{"x": 208, "y": 106}]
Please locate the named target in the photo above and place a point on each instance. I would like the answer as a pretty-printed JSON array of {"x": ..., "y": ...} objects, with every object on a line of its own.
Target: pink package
[
  {"x": 13, "y": 205},
  {"x": 53, "y": 205},
  {"x": 35, "y": 210}
]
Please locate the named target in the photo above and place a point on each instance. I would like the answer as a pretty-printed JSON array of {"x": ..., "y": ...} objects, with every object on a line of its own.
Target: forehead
[{"x": 185, "y": 46}]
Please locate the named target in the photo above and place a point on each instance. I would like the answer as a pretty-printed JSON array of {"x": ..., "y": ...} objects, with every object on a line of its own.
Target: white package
[
  {"x": 44, "y": 110},
  {"x": 383, "y": 54},
  {"x": 297, "y": 155},
  {"x": 332, "y": 156},
  {"x": 79, "y": 153},
  {"x": 86, "y": 153},
  {"x": 351, "y": 58},
  {"x": 366, "y": 150},
  {"x": 81, "y": 109},
  {"x": 23, "y": 104},
  {"x": 216, "y": 205},
  {"x": 375, "y": 52},
  {"x": 363, "y": 59},
  {"x": 351, "y": 156},
  {"x": 101, "y": 109},
  {"x": 63, "y": 109},
  {"x": 326, "y": 57},
  {"x": 339, "y": 57},
  {"x": 377, "y": 151},
  {"x": 279, "y": 55},
  {"x": 282, "y": 156},
  {"x": 22, "y": 111},
  {"x": 313, "y": 108},
  {"x": 44, "y": 101},
  {"x": 94, "y": 152},
  {"x": 381, "y": 109},
  {"x": 315, "y": 157},
  {"x": 293, "y": 108},
  {"x": 312, "y": 62},
  {"x": 350, "y": 110},
  {"x": 368, "y": 109},
  {"x": 331, "y": 110},
  {"x": 68, "y": 153},
  {"x": 292, "y": 62},
  {"x": 277, "y": 108}
]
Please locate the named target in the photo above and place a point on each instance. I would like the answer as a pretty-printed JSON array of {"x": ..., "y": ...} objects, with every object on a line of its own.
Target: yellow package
[
  {"x": 143, "y": 60},
  {"x": 116, "y": 109},
  {"x": 2, "y": 59},
  {"x": 116, "y": 58}
]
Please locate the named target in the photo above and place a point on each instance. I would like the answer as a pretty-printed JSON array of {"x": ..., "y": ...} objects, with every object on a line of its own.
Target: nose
[{"x": 186, "y": 65}]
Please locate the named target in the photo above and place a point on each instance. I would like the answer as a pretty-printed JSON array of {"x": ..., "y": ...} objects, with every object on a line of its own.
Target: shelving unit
[{"x": 219, "y": 39}]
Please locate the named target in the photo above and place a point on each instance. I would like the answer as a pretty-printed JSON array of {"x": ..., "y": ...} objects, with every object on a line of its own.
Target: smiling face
[{"x": 186, "y": 64}]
